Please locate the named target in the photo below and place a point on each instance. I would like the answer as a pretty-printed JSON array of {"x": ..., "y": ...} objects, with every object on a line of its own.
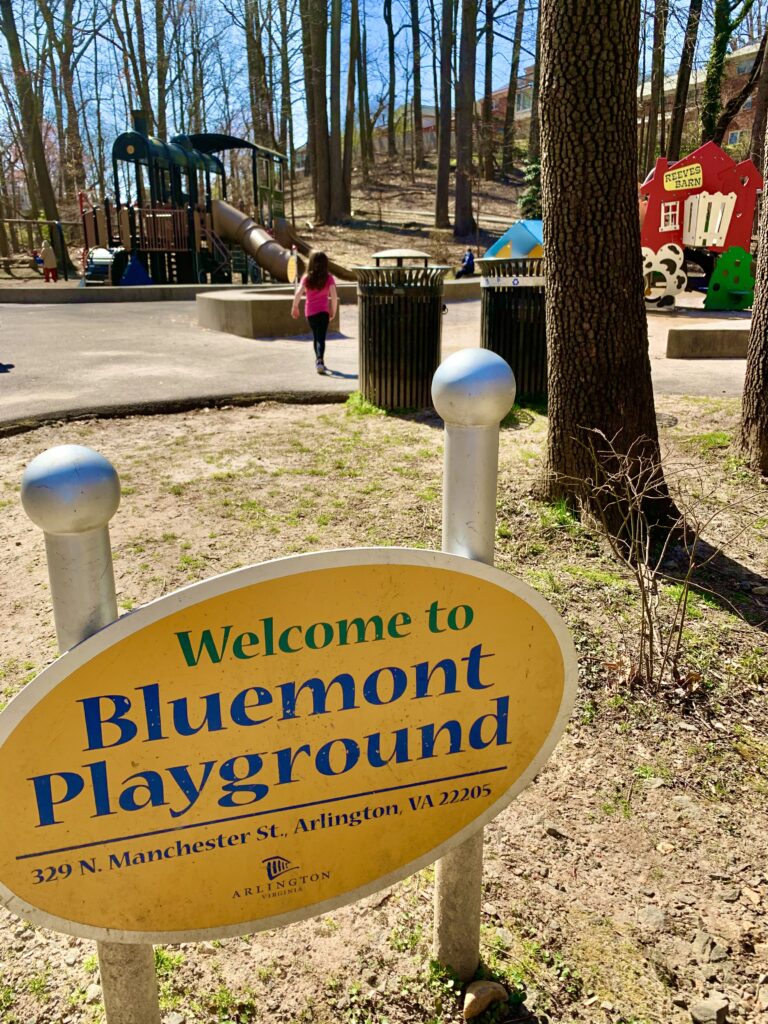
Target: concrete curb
[
  {"x": 707, "y": 343},
  {"x": 23, "y": 425}
]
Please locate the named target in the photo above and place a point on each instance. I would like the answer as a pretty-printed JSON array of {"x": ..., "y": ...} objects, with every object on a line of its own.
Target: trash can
[
  {"x": 400, "y": 311},
  {"x": 512, "y": 319}
]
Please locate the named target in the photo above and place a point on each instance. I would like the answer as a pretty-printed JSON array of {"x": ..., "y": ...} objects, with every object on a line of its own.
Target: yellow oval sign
[{"x": 275, "y": 742}]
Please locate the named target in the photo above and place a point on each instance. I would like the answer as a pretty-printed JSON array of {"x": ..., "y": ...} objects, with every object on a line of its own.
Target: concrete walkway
[{"x": 67, "y": 360}]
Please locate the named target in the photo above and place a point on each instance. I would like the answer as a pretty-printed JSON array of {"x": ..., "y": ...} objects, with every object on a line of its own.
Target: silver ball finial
[
  {"x": 70, "y": 489},
  {"x": 473, "y": 388}
]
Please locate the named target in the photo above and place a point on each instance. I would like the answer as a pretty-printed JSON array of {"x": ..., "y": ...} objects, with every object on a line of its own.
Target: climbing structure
[{"x": 701, "y": 206}]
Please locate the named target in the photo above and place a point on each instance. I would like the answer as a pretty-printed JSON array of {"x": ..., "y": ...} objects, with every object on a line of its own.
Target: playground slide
[
  {"x": 287, "y": 235},
  {"x": 240, "y": 229}
]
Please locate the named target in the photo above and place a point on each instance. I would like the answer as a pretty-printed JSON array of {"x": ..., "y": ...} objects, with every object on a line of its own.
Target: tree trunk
[
  {"x": 727, "y": 18},
  {"x": 391, "y": 140},
  {"x": 597, "y": 339},
  {"x": 362, "y": 110},
  {"x": 534, "y": 140},
  {"x": 754, "y": 407},
  {"x": 418, "y": 125},
  {"x": 318, "y": 28},
  {"x": 760, "y": 109},
  {"x": 30, "y": 122},
  {"x": 349, "y": 127},
  {"x": 161, "y": 69},
  {"x": 61, "y": 136},
  {"x": 309, "y": 95},
  {"x": 735, "y": 103},
  {"x": 684, "y": 80},
  {"x": 464, "y": 220},
  {"x": 487, "y": 126},
  {"x": 337, "y": 199},
  {"x": 435, "y": 74},
  {"x": 442, "y": 220},
  {"x": 286, "y": 122},
  {"x": 653, "y": 135},
  {"x": 508, "y": 148}
]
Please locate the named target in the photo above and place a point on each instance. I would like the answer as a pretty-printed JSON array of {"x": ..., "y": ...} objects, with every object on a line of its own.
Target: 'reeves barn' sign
[{"x": 272, "y": 743}]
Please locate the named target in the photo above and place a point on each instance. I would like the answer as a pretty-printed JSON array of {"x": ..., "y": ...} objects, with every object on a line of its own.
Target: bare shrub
[{"x": 666, "y": 560}]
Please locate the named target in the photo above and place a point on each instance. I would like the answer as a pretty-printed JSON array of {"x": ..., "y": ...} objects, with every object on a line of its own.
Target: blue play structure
[{"x": 524, "y": 240}]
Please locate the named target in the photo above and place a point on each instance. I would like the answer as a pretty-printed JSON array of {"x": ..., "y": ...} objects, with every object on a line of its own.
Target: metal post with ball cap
[
  {"x": 473, "y": 390},
  {"x": 71, "y": 493}
]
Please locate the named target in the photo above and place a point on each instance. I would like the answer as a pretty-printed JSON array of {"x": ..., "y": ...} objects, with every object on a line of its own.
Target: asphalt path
[{"x": 65, "y": 360}]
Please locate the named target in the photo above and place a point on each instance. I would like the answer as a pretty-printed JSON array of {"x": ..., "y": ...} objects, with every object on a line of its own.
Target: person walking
[
  {"x": 50, "y": 267},
  {"x": 322, "y": 300}
]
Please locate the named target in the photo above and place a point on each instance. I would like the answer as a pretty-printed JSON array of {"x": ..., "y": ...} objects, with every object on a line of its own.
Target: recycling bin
[{"x": 513, "y": 318}]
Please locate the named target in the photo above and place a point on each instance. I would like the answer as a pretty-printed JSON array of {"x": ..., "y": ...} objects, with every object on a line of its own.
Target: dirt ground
[
  {"x": 396, "y": 209},
  {"x": 626, "y": 884}
]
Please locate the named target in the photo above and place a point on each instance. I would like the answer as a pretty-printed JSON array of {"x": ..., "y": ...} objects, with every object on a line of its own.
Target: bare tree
[
  {"x": 392, "y": 82},
  {"x": 464, "y": 220},
  {"x": 534, "y": 141},
  {"x": 508, "y": 147},
  {"x": 349, "y": 126},
  {"x": 487, "y": 132},
  {"x": 442, "y": 220},
  {"x": 760, "y": 109},
  {"x": 30, "y": 121},
  {"x": 680, "y": 104},
  {"x": 656, "y": 129},
  {"x": 418, "y": 125},
  {"x": 337, "y": 199}
]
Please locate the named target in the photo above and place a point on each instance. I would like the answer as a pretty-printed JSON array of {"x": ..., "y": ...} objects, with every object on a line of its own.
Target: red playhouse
[{"x": 701, "y": 209}]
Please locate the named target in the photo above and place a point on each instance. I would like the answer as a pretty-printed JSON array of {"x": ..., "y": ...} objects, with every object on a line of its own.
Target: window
[
  {"x": 733, "y": 138},
  {"x": 748, "y": 103},
  {"x": 670, "y": 216},
  {"x": 744, "y": 67},
  {"x": 524, "y": 100}
]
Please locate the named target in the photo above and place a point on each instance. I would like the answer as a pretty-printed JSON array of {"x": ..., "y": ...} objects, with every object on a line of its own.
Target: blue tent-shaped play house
[{"x": 523, "y": 240}]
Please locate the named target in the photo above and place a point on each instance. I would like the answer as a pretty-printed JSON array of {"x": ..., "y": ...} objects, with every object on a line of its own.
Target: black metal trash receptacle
[
  {"x": 513, "y": 321},
  {"x": 400, "y": 311}
]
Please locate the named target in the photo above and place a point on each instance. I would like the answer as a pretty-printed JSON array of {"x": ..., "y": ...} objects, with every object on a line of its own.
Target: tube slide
[
  {"x": 240, "y": 229},
  {"x": 287, "y": 235}
]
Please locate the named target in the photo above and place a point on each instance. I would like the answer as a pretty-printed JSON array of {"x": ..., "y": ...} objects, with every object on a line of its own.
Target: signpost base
[
  {"x": 458, "y": 890},
  {"x": 129, "y": 983}
]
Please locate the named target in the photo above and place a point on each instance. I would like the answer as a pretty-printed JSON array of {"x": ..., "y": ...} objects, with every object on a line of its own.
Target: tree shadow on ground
[
  {"x": 518, "y": 418},
  {"x": 724, "y": 581}
]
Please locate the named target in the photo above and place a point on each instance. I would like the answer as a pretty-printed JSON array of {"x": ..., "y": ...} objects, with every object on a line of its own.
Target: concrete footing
[
  {"x": 266, "y": 313},
  {"x": 707, "y": 343},
  {"x": 250, "y": 314}
]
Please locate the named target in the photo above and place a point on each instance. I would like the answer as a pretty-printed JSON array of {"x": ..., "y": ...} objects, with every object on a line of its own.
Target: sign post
[
  {"x": 71, "y": 492},
  {"x": 473, "y": 390}
]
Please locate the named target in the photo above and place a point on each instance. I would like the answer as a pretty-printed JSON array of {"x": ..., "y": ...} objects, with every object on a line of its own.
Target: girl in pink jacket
[{"x": 319, "y": 287}]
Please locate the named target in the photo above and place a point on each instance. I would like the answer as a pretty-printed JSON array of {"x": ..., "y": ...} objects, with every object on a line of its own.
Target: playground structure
[
  {"x": 523, "y": 240},
  {"x": 170, "y": 222},
  {"x": 699, "y": 210}
]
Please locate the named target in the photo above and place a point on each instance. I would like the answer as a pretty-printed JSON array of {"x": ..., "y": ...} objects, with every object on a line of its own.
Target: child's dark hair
[{"x": 317, "y": 272}]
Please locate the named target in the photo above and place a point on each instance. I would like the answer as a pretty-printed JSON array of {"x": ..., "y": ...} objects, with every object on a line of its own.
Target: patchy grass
[{"x": 559, "y": 915}]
